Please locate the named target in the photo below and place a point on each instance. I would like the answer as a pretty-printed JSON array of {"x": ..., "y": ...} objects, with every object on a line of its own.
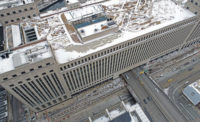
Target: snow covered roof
[
  {"x": 83, "y": 12},
  {"x": 16, "y": 37},
  {"x": 133, "y": 20},
  {"x": 25, "y": 55},
  {"x": 133, "y": 113},
  {"x": 4, "y": 4},
  {"x": 145, "y": 19},
  {"x": 192, "y": 92}
]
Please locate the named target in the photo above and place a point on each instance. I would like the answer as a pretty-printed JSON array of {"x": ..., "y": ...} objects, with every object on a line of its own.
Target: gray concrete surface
[{"x": 149, "y": 106}]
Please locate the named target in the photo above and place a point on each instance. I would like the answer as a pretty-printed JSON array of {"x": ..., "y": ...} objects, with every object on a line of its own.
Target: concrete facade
[
  {"x": 46, "y": 83},
  {"x": 17, "y": 13},
  {"x": 194, "y": 6}
]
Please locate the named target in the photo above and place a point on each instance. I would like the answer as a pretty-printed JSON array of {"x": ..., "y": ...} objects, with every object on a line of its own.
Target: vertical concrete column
[
  {"x": 108, "y": 114},
  {"x": 90, "y": 120},
  {"x": 123, "y": 104}
]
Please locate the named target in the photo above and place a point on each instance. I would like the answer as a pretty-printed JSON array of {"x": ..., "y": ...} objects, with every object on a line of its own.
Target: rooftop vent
[{"x": 30, "y": 34}]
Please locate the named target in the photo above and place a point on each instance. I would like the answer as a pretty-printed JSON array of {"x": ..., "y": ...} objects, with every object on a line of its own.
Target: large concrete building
[
  {"x": 12, "y": 11},
  {"x": 194, "y": 6},
  {"x": 42, "y": 75}
]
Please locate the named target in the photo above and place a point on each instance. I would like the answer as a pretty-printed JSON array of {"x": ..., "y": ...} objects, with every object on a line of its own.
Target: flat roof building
[
  {"x": 54, "y": 62},
  {"x": 192, "y": 92}
]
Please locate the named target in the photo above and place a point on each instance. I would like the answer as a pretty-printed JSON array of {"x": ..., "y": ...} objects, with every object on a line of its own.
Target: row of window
[
  {"x": 103, "y": 53},
  {"x": 88, "y": 74},
  {"x": 30, "y": 70},
  {"x": 194, "y": 12},
  {"x": 41, "y": 90},
  {"x": 18, "y": 19},
  {"x": 15, "y": 12},
  {"x": 80, "y": 77},
  {"x": 192, "y": 1},
  {"x": 195, "y": 34}
]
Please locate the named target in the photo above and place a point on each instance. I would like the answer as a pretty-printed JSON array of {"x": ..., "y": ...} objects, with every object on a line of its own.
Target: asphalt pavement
[
  {"x": 181, "y": 80},
  {"x": 162, "y": 100},
  {"x": 143, "y": 97}
]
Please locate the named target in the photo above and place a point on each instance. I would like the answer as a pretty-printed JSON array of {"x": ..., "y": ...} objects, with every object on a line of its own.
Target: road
[
  {"x": 148, "y": 105},
  {"x": 175, "y": 90},
  {"x": 164, "y": 103}
]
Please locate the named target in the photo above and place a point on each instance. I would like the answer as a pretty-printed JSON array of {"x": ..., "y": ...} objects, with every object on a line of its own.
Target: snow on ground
[
  {"x": 116, "y": 113},
  {"x": 102, "y": 119},
  {"x": 166, "y": 91}
]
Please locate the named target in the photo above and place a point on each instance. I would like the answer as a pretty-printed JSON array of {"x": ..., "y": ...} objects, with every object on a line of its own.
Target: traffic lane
[
  {"x": 147, "y": 102},
  {"x": 166, "y": 105}
]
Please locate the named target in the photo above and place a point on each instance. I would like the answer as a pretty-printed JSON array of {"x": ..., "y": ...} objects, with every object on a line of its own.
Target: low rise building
[{"x": 192, "y": 92}]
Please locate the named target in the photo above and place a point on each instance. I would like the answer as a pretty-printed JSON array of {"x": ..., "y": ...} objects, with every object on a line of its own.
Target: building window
[
  {"x": 12, "y": 20},
  {"x": 8, "y": 13},
  {"x": 43, "y": 106},
  {"x": 47, "y": 63},
  {"x": 37, "y": 108},
  {"x": 14, "y": 75},
  {"x": 54, "y": 101},
  {"x": 34, "y": 15},
  {"x": 2, "y": 15},
  {"x": 65, "y": 97},
  {"x": 195, "y": 12},
  {"x": 187, "y": 7},
  {"x": 14, "y": 12},
  {"x": 6, "y": 22},
  {"x": 25, "y": 9},
  {"x": 29, "y": 16},
  {"x": 20, "y": 11},
  {"x": 23, "y": 72},
  {"x": 44, "y": 73},
  {"x": 20, "y": 82},
  {"x": 49, "y": 104},
  {"x": 5, "y": 78},
  {"x": 31, "y": 69},
  {"x": 28, "y": 79},
  {"x": 11, "y": 85},
  {"x": 192, "y": 1},
  {"x": 23, "y": 17},
  {"x": 18, "y": 19},
  {"x": 196, "y": 3}
]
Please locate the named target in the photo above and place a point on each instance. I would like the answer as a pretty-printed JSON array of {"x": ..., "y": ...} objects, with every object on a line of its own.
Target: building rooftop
[
  {"x": 64, "y": 30},
  {"x": 25, "y": 55},
  {"x": 4, "y": 4},
  {"x": 192, "y": 92}
]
